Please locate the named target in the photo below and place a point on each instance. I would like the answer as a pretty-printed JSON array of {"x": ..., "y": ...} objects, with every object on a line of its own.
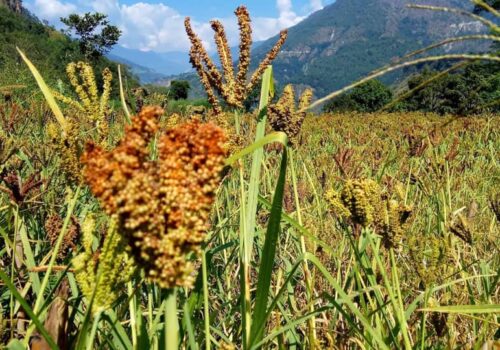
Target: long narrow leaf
[
  {"x": 465, "y": 309},
  {"x": 278, "y": 137},
  {"x": 120, "y": 337},
  {"x": 268, "y": 256},
  {"x": 46, "y": 91},
  {"x": 122, "y": 96},
  {"x": 249, "y": 206}
]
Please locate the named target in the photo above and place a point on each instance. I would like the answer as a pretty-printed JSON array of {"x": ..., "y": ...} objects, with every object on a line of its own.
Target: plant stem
[
  {"x": 171, "y": 321},
  {"x": 307, "y": 272},
  {"x": 402, "y": 316},
  {"x": 132, "y": 307},
  {"x": 206, "y": 309},
  {"x": 93, "y": 332}
]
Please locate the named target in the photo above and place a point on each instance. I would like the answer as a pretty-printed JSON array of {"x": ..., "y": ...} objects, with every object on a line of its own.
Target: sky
[{"x": 159, "y": 25}]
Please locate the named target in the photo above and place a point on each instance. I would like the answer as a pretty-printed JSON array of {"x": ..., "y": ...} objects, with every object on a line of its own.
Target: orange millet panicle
[{"x": 162, "y": 206}]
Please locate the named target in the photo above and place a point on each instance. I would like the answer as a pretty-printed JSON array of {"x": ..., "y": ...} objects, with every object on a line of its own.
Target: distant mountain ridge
[
  {"x": 349, "y": 38},
  {"x": 161, "y": 68},
  {"x": 144, "y": 74},
  {"x": 151, "y": 66}
]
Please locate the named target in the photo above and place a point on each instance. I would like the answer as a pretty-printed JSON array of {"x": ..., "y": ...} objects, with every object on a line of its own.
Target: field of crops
[
  {"x": 219, "y": 229},
  {"x": 384, "y": 216}
]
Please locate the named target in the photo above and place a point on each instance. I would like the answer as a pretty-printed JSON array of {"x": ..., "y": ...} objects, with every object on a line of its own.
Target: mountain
[
  {"x": 161, "y": 68},
  {"x": 166, "y": 63},
  {"x": 349, "y": 38},
  {"x": 146, "y": 75}
]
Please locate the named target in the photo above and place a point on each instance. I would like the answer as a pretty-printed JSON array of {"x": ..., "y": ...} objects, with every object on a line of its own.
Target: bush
[
  {"x": 472, "y": 90},
  {"x": 179, "y": 89},
  {"x": 368, "y": 97}
]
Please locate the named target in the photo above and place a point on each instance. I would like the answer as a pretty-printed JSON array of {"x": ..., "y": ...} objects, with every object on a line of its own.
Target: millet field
[{"x": 126, "y": 223}]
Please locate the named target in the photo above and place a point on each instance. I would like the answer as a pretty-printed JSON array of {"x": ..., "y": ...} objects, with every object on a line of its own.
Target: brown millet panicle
[
  {"x": 364, "y": 203},
  {"x": 191, "y": 161},
  {"x": 244, "y": 24},
  {"x": 199, "y": 58},
  {"x": 271, "y": 55},
  {"x": 17, "y": 189},
  {"x": 205, "y": 81},
  {"x": 162, "y": 206},
  {"x": 67, "y": 143},
  {"x": 283, "y": 116},
  {"x": 224, "y": 52},
  {"x": 234, "y": 90},
  {"x": 198, "y": 50},
  {"x": 53, "y": 227}
]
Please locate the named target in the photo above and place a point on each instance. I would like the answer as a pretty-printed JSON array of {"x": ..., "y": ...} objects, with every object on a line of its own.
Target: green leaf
[
  {"x": 419, "y": 299},
  {"x": 279, "y": 137},
  {"x": 46, "y": 91},
  {"x": 120, "y": 338},
  {"x": 268, "y": 256},
  {"x": 122, "y": 97},
  {"x": 259, "y": 328},
  {"x": 348, "y": 302},
  {"x": 189, "y": 328},
  {"x": 267, "y": 89},
  {"x": 288, "y": 326},
  {"x": 16, "y": 345},
  {"x": 248, "y": 219},
  {"x": 301, "y": 230}
]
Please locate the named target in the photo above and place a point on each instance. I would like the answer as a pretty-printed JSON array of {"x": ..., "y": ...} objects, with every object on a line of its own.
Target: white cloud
[
  {"x": 287, "y": 17},
  {"x": 158, "y": 27},
  {"x": 52, "y": 9},
  {"x": 106, "y": 6},
  {"x": 316, "y": 5},
  {"x": 284, "y": 6}
]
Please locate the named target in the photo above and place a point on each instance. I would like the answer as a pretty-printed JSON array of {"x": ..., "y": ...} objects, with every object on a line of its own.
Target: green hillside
[{"x": 49, "y": 49}]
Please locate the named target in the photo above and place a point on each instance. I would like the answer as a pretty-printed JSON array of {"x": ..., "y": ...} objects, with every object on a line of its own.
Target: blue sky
[{"x": 156, "y": 25}]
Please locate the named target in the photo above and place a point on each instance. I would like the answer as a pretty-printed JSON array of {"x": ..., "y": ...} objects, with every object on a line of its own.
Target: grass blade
[
  {"x": 121, "y": 339},
  {"x": 46, "y": 91},
  {"x": 122, "y": 97},
  {"x": 354, "y": 309},
  {"x": 279, "y": 137},
  {"x": 465, "y": 309},
  {"x": 268, "y": 256}
]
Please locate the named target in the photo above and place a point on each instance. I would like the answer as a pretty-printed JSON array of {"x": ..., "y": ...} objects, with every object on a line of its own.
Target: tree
[
  {"x": 179, "y": 89},
  {"x": 368, "y": 97},
  {"x": 472, "y": 90},
  {"x": 96, "y": 35}
]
